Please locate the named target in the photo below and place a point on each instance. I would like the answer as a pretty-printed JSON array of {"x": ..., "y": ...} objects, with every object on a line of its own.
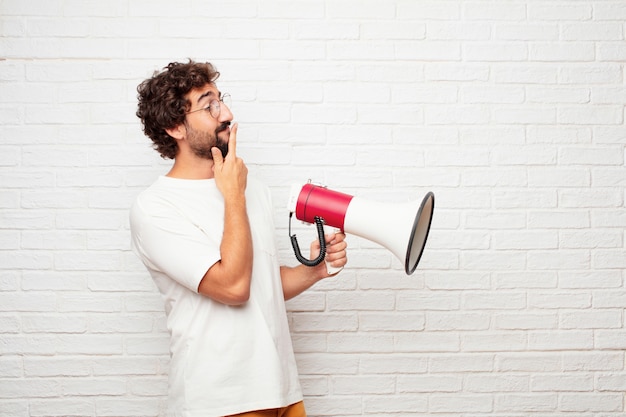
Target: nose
[{"x": 225, "y": 114}]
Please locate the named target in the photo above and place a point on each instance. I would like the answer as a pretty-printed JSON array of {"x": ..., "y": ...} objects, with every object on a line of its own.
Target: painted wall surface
[{"x": 511, "y": 112}]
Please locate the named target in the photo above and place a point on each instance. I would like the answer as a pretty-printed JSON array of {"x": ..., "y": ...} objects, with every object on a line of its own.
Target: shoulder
[
  {"x": 152, "y": 202},
  {"x": 148, "y": 199}
]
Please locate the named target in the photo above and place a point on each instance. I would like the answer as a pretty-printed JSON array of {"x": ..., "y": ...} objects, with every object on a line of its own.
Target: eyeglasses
[{"x": 214, "y": 108}]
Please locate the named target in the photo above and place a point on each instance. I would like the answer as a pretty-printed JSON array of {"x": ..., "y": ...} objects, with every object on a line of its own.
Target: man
[{"x": 205, "y": 232}]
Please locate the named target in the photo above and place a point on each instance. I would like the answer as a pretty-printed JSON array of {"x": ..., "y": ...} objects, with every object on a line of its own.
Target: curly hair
[{"x": 162, "y": 103}]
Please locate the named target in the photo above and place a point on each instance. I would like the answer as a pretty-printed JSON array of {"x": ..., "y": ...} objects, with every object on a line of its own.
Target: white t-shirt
[{"x": 225, "y": 359}]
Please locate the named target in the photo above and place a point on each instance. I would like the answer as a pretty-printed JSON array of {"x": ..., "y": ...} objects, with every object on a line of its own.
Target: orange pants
[{"x": 293, "y": 410}]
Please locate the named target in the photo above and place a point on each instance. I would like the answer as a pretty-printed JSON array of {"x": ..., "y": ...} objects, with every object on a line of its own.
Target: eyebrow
[{"x": 207, "y": 94}]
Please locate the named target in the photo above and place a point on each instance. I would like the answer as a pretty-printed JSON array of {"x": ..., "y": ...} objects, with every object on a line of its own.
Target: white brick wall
[{"x": 512, "y": 112}]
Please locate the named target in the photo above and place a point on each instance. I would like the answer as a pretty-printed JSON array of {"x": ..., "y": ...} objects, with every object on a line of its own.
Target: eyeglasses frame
[{"x": 215, "y": 104}]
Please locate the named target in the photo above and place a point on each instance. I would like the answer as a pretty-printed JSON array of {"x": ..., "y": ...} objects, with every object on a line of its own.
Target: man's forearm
[
  {"x": 228, "y": 281},
  {"x": 297, "y": 279}
]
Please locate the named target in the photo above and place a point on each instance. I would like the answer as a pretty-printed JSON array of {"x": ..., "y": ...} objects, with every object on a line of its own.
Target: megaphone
[{"x": 401, "y": 228}]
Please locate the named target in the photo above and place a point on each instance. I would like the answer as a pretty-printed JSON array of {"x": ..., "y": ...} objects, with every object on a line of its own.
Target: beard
[{"x": 201, "y": 142}]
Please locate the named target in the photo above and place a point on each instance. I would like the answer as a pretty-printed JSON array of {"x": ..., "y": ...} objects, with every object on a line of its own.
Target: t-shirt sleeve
[{"x": 168, "y": 243}]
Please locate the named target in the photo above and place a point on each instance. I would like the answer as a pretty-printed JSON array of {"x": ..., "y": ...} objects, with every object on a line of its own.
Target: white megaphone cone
[{"x": 401, "y": 228}]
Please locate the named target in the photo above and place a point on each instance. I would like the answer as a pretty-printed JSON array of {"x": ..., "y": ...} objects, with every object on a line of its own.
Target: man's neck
[{"x": 194, "y": 169}]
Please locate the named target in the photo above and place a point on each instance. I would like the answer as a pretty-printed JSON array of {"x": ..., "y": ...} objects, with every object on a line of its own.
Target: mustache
[{"x": 222, "y": 127}]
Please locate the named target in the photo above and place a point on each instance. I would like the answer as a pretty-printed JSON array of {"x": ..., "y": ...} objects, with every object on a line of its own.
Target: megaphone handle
[{"x": 331, "y": 269}]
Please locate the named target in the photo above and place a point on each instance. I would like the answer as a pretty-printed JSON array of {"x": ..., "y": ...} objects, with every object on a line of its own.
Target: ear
[{"x": 178, "y": 132}]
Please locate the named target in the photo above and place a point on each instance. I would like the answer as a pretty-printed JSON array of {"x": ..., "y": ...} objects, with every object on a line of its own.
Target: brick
[
  {"x": 593, "y": 361},
  {"x": 309, "y": 342},
  {"x": 590, "y": 239},
  {"x": 436, "y": 321},
  {"x": 427, "y": 51},
  {"x": 559, "y": 177},
  {"x": 594, "y": 115},
  {"x": 359, "y": 385},
  {"x": 591, "y": 279},
  {"x": 27, "y": 302},
  {"x": 611, "y": 52},
  {"x": 510, "y": 342},
  {"x": 61, "y": 407},
  {"x": 118, "y": 365},
  {"x": 535, "y": 279},
  {"x": 358, "y": 10},
  {"x": 564, "y": 383},
  {"x": 525, "y": 115},
  {"x": 558, "y": 300},
  {"x": 429, "y": 384},
  {"x": 430, "y": 10},
  {"x": 458, "y": 30},
  {"x": 546, "y": 260},
  {"x": 11, "y": 367},
  {"x": 527, "y": 32},
  {"x": 606, "y": 319},
  {"x": 398, "y": 364},
  {"x": 111, "y": 407},
  {"x": 554, "y": 11},
  {"x": 526, "y": 321},
  {"x": 445, "y": 403},
  {"x": 461, "y": 71},
  {"x": 328, "y": 363},
  {"x": 32, "y": 387},
  {"x": 9, "y": 239},
  {"x": 355, "y": 301},
  {"x": 427, "y": 342},
  {"x": 491, "y": 301},
  {"x": 54, "y": 324},
  {"x": 561, "y": 340},
  {"x": 555, "y": 219},
  {"x": 559, "y": 134},
  {"x": 612, "y": 382},
  {"x": 329, "y": 406},
  {"x": 106, "y": 323},
  {"x": 497, "y": 384},
  {"x": 402, "y": 322},
  {"x": 592, "y": 197},
  {"x": 525, "y": 240},
  {"x": 496, "y": 52},
  {"x": 396, "y": 404},
  {"x": 307, "y": 30},
  {"x": 94, "y": 386},
  {"x": 591, "y": 402},
  {"x": 392, "y": 30},
  {"x": 360, "y": 342},
  {"x": 565, "y": 95},
  {"x": 594, "y": 31},
  {"x": 327, "y": 322},
  {"x": 56, "y": 367},
  {"x": 529, "y": 362},
  {"x": 562, "y": 52},
  {"x": 14, "y": 408},
  {"x": 36, "y": 8},
  {"x": 526, "y": 402},
  {"x": 606, "y": 74}
]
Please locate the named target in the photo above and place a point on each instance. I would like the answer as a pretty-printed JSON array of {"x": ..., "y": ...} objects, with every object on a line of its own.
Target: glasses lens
[
  {"x": 214, "y": 108},
  {"x": 216, "y": 105}
]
